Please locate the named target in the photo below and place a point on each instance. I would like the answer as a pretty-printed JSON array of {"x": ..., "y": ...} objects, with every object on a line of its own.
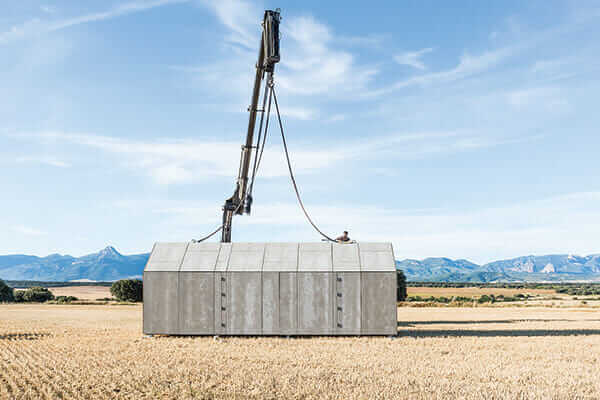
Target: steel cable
[
  {"x": 258, "y": 159},
  {"x": 287, "y": 156}
]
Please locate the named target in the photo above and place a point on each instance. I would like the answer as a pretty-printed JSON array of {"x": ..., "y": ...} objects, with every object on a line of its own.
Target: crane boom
[{"x": 268, "y": 56}]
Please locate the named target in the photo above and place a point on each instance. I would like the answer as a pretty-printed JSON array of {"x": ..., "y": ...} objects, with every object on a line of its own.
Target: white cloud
[
  {"x": 25, "y": 230},
  {"x": 301, "y": 113},
  {"x": 337, "y": 118},
  {"x": 48, "y": 9},
  {"x": 181, "y": 161},
  {"x": 53, "y": 162},
  {"x": 240, "y": 17},
  {"x": 412, "y": 58},
  {"x": 371, "y": 41},
  {"x": 568, "y": 223},
  {"x": 546, "y": 98},
  {"x": 37, "y": 26},
  {"x": 312, "y": 64},
  {"x": 468, "y": 66}
]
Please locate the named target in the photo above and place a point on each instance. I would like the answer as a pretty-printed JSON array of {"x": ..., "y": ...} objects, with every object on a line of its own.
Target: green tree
[
  {"x": 37, "y": 294},
  {"x": 19, "y": 296},
  {"x": 401, "y": 281},
  {"x": 6, "y": 292},
  {"x": 127, "y": 290}
]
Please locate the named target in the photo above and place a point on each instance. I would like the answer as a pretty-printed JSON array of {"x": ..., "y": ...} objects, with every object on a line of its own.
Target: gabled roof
[{"x": 272, "y": 257}]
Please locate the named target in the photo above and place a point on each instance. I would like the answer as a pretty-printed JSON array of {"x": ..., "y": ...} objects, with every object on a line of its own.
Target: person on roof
[{"x": 343, "y": 238}]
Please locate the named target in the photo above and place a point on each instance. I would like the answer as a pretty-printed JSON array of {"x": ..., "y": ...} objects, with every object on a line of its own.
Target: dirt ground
[{"x": 98, "y": 351}]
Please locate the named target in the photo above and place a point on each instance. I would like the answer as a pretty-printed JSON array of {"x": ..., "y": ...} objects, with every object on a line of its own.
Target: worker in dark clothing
[{"x": 343, "y": 238}]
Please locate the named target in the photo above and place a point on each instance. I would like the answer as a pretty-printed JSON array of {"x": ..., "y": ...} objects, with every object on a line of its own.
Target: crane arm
[{"x": 268, "y": 55}]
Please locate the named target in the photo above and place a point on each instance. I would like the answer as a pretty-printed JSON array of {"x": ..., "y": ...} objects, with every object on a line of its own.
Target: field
[
  {"x": 82, "y": 292},
  {"x": 97, "y": 351},
  {"x": 472, "y": 291}
]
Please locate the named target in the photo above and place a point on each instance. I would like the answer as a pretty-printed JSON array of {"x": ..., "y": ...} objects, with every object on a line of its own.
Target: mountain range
[
  {"x": 109, "y": 265},
  {"x": 558, "y": 267},
  {"x": 106, "y": 265}
]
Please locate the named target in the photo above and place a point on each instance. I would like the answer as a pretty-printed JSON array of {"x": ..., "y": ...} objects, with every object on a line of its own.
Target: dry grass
[
  {"x": 53, "y": 351},
  {"x": 82, "y": 292},
  {"x": 473, "y": 291}
]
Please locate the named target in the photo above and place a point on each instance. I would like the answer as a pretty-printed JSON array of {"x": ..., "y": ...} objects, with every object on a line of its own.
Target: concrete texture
[
  {"x": 161, "y": 315},
  {"x": 270, "y": 289},
  {"x": 347, "y": 308},
  {"x": 378, "y": 303},
  {"x": 196, "y": 303}
]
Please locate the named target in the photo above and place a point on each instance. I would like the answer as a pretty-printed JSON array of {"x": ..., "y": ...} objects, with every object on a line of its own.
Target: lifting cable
[
  {"x": 258, "y": 159},
  {"x": 213, "y": 233},
  {"x": 287, "y": 157}
]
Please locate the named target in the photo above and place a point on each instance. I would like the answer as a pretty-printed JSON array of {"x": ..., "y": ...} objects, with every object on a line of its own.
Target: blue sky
[{"x": 463, "y": 129}]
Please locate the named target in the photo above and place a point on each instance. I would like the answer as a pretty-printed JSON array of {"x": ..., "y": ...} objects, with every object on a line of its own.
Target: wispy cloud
[
  {"x": 25, "y": 230},
  {"x": 181, "y": 161},
  {"x": 314, "y": 63},
  {"x": 38, "y": 26},
  {"x": 240, "y": 17},
  {"x": 480, "y": 234},
  {"x": 48, "y": 9},
  {"x": 547, "y": 98},
  {"x": 43, "y": 160},
  {"x": 412, "y": 58},
  {"x": 468, "y": 66}
]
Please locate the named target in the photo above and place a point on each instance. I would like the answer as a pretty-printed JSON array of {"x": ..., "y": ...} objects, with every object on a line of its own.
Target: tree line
[{"x": 129, "y": 290}]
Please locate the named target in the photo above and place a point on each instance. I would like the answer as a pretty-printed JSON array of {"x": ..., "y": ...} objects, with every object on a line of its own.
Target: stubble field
[
  {"x": 97, "y": 351},
  {"x": 473, "y": 291}
]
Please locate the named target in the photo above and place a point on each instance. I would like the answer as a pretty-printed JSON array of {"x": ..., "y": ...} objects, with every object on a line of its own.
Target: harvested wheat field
[
  {"x": 70, "y": 351},
  {"x": 424, "y": 291}
]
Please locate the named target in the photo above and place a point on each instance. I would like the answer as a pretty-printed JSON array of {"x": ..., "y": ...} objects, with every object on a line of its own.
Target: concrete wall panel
[
  {"x": 376, "y": 257},
  {"x": 223, "y": 258},
  {"x": 270, "y": 303},
  {"x": 196, "y": 303},
  {"x": 315, "y": 303},
  {"x": 314, "y": 257},
  {"x": 245, "y": 303},
  {"x": 347, "y": 307},
  {"x": 281, "y": 257},
  {"x": 345, "y": 257},
  {"x": 288, "y": 303},
  {"x": 379, "y": 310},
  {"x": 161, "y": 314},
  {"x": 166, "y": 257},
  {"x": 201, "y": 257},
  {"x": 221, "y": 307},
  {"x": 246, "y": 257}
]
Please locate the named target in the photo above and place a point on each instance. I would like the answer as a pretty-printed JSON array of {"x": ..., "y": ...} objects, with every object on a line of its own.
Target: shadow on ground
[
  {"x": 22, "y": 336},
  {"x": 489, "y": 321}
]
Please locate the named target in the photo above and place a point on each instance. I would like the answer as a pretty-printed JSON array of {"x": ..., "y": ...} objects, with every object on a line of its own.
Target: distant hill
[
  {"x": 110, "y": 265},
  {"x": 106, "y": 265},
  {"x": 560, "y": 267}
]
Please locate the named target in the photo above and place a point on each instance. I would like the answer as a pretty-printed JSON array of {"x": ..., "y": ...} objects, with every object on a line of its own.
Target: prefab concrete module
[{"x": 270, "y": 289}]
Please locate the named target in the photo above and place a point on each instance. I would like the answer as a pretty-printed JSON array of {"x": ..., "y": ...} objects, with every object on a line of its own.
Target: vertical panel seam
[
  {"x": 360, "y": 294},
  {"x": 332, "y": 289},
  {"x": 262, "y": 299},
  {"x": 177, "y": 291},
  {"x": 298, "y": 289}
]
